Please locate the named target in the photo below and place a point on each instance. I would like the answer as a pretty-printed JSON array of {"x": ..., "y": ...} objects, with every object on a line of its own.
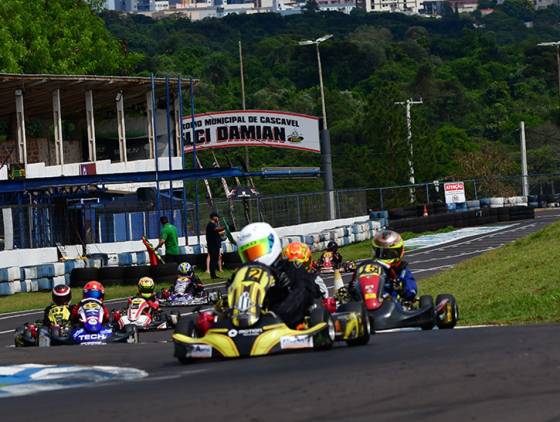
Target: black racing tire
[
  {"x": 110, "y": 276},
  {"x": 427, "y": 301},
  {"x": 80, "y": 276},
  {"x": 164, "y": 273},
  {"x": 187, "y": 327},
  {"x": 366, "y": 327},
  {"x": 136, "y": 272},
  {"x": 451, "y": 310},
  {"x": 324, "y": 339}
]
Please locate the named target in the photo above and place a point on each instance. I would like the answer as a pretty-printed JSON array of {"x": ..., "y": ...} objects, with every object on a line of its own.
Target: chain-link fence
[{"x": 85, "y": 221}]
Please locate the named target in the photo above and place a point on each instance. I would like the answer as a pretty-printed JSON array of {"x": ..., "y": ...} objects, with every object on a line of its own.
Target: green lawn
[
  {"x": 37, "y": 300},
  {"x": 517, "y": 283}
]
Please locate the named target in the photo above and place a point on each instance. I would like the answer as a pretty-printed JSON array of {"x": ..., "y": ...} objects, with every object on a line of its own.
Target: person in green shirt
[{"x": 168, "y": 236}]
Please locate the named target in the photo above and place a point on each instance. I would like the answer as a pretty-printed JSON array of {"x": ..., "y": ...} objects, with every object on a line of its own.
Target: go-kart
[
  {"x": 242, "y": 326},
  {"x": 387, "y": 312},
  {"x": 327, "y": 264},
  {"x": 184, "y": 293},
  {"x": 28, "y": 334},
  {"x": 144, "y": 317},
  {"x": 89, "y": 331}
]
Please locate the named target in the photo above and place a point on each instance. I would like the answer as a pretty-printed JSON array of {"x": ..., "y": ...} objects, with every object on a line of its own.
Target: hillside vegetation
[{"x": 478, "y": 77}]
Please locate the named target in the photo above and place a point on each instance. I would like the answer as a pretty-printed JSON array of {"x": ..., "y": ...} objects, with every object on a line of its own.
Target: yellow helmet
[
  {"x": 388, "y": 247},
  {"x": 146, "y": 287}
]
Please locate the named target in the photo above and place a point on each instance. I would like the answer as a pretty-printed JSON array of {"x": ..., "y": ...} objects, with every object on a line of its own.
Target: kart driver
[
  {"x": 147, "y": 290},
  {"x": 92, "y": 290},
  {"x": 299, "y": 255},
  {"x": 332, "y": 247},
  {"x": 61, "y": 296},
  {"x": 293, "y": 294},
  {"x": 388, "y": 248},
  {"x": 187, "y": 281}
]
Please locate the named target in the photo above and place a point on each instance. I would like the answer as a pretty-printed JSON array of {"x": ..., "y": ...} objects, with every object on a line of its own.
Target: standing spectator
[
  {"x": 214, "y": 242},
  {"x": 168, "y": 236}
]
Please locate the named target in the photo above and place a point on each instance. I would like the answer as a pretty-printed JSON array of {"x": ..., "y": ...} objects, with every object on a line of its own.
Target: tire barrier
[{"x": 127, "y": 268}]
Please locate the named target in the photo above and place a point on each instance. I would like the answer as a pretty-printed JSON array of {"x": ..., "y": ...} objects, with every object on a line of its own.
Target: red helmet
[
  {"x": 94, "y": 290},
  {"x": 61, "y": 295}
]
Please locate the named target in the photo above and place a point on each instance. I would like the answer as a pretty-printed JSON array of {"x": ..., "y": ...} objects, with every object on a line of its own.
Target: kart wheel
[
  {"x": 187, "y": 327},
  {"x": 366, "y": 327},
  {"x": 132, "y": 332},
  {"x": 173, "y": 319},
  {"x": 447, "y": 314},
  {"x": 427, "y": 301},
  {"x": 325, "y": 338}
]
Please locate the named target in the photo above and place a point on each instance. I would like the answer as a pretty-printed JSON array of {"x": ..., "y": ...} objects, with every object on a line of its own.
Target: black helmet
[
  {"x": 61, "y": 295},
  {"x": 332, "y": 246}
]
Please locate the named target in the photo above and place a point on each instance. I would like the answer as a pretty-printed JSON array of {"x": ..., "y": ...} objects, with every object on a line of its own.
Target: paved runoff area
[{"x": 488, "y": 373}]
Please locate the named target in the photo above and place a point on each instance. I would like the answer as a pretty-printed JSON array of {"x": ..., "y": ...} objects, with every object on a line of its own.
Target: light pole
[
  {"x": 557, "y": 45},
  {"x": 409, "y": 103},
  {"x": 325, "y": 136}
]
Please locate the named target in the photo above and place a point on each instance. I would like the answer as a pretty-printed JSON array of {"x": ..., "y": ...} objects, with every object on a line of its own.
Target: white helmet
[{"x": 258, "y": 242}]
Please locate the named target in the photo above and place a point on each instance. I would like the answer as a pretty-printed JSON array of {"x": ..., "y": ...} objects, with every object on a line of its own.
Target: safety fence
[{"x": 86, "y": 222}]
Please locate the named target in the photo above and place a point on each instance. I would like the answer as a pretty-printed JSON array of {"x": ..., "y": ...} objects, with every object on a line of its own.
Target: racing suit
[
  {"x": 293, "y": 294},
  {"x": 46, "y": 320},
  {"x": 152, "y": 302},
  {"x": 75, "y": 315},
  {"x": 188, "y": 285},
  {"x": 400, "y": 282}
]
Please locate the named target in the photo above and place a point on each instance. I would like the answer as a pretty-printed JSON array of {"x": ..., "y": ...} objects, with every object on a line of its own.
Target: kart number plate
[
  {"x": 296, "y": 342},
  {"x": 200, "y": 351}
]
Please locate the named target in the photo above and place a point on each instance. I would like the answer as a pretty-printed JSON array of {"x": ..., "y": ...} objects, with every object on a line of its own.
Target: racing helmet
[
  {"x": 332, "y": 246},
  {"x": 185, "y": 269},
  {"x": 259, "y": 242},
  {"x": 146, "y": 287},
  {"x": 61, "y": 295},
  {"x": 297, "y": 253},
  {"x": 388, "y": 247},
  {"x": 94, "y": 290}
]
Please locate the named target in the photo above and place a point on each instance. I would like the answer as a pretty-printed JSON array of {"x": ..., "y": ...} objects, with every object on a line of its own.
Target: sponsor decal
[
  {"x": 232, "y": 333},
  {"x": 200, "y": 351},
  {"x": 92, "y": 337},
  {"x": 371, "y": 296},
  {"x": 296, "y": 342},
  {"x": 250, "y": 332},
  {"x": 19, "y": 380},
  {"x": 252, "y": 128}
]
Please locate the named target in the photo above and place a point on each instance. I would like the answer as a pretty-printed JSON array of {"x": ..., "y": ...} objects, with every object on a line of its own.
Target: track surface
[{"x": 469, "y": 374}]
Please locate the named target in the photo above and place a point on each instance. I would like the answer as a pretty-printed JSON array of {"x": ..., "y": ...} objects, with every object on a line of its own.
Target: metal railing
[{"x": 45, "y": 225}]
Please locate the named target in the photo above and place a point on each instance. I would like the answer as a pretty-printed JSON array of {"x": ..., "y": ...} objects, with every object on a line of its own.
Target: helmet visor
[
  {"x": 256, "y": 249},
  {"x": 388, "y": 253},
  {"x": 93, "y": 294}
]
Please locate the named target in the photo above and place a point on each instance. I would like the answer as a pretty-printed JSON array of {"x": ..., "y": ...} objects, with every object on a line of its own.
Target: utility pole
[
  {"x": 557, "y": 45},
  {"x": 325, "y": 136},
  {"x": 524, "y": 174},
  {"x": 409, "y": 103},
  {"x": 243, "y": 106}
]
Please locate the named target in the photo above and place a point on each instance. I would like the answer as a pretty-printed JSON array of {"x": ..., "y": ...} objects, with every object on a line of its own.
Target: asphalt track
[{"x": 494, "y": 373}]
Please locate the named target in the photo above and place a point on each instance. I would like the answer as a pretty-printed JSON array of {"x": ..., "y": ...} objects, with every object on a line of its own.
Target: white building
[{"x": 410, "y": 6}]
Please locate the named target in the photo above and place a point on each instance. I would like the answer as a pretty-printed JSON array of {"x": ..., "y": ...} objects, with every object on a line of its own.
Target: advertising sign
[
  {"x": 454, "y": 192},
  {"x": 278, "y": 129}
]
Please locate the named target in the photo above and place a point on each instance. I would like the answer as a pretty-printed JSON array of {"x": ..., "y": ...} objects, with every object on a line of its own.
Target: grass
[
  {"x": 517, "y": 283},
  {"x": 38, "y": 300}
]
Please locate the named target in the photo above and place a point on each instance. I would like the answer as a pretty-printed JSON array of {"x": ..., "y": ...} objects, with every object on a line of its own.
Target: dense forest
[{"x": 478, "y": 76}]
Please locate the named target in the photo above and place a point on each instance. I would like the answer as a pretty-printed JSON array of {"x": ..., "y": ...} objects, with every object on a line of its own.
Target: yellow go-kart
[{"x": 244, "y": 327}]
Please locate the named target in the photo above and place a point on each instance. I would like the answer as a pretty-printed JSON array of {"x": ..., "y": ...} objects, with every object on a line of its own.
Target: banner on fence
[
  {"x": 454, "y": 192},
  {"x": 278, "y": 129}
]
